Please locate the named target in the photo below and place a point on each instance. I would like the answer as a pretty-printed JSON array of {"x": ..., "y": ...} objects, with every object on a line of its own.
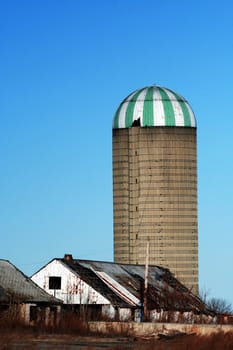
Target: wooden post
[{"x": 146, "y": 282}]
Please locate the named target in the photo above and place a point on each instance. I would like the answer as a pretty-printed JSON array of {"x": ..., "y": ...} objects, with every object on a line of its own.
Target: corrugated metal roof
[
  {"x": 89, "y": 276},
  {"x": 16, "y": 286},
  {"x": 123, "y": 284},
  {"x": 118, "y": 288},
  {"x": 3, "y": 296}
]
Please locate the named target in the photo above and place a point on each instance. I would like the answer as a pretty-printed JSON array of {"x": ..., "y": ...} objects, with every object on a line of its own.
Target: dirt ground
[
  {"x": 69, "y": 342},
  {"x": 25, "y": 341},
  {"x": 64, "y": 342}
]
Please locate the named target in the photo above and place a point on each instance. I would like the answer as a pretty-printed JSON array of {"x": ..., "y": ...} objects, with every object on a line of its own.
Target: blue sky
[{"x": 64, "y": 68}]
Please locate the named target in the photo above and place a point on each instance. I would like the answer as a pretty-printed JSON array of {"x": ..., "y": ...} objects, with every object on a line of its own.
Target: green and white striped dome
[{"x": 154, "y": 106}]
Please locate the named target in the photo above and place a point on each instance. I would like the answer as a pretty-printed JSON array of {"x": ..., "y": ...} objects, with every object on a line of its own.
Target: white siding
[{"x": 73, "y": 289}]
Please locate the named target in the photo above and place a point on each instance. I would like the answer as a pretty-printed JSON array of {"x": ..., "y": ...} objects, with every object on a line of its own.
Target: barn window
[{"x": 54, "y": 282}]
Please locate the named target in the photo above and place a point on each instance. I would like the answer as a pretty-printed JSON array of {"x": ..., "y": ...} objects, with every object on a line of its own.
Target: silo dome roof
[{"x": 154, "y": 106}]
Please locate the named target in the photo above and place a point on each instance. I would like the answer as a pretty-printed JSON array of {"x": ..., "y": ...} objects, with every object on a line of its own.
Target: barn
[
  {"x": 106, "y": 290},
  {"x": 24, "y": 300}
]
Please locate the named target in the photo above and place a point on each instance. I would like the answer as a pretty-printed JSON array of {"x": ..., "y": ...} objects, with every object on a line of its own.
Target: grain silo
[{"x": 155, "y": 182}]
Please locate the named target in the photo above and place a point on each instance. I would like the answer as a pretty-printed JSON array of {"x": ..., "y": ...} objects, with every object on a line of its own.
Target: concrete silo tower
[{"x": 155, "y": 182}]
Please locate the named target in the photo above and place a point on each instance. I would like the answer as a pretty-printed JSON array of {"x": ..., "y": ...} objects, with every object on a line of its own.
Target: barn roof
[
  {"x": 17, "y": 287},
  {"x": 123, "y": 284}
]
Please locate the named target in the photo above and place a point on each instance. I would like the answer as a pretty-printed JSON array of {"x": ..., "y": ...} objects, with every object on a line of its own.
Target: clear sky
[{"x": 64, "y": 68}]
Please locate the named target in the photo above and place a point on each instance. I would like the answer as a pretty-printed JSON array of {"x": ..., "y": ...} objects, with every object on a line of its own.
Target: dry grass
[
  {"x": 72, "y": 324},
  {"x": 215, "y": 341},
  {"x": 72, "y": 327},
  {"x": 13, "y": 331}
]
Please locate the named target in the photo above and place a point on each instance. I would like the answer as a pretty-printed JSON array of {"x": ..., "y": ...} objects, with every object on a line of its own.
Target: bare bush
[{"x": 220, "y": 306}]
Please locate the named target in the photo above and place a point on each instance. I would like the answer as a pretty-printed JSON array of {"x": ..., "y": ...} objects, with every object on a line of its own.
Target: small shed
[
  {"x": 24, "y": 300},
  {"x": 116, "y": 291}
]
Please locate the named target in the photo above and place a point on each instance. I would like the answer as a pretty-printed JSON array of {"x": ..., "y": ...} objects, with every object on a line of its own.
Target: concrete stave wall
[{"x": 155, "y": 198}]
